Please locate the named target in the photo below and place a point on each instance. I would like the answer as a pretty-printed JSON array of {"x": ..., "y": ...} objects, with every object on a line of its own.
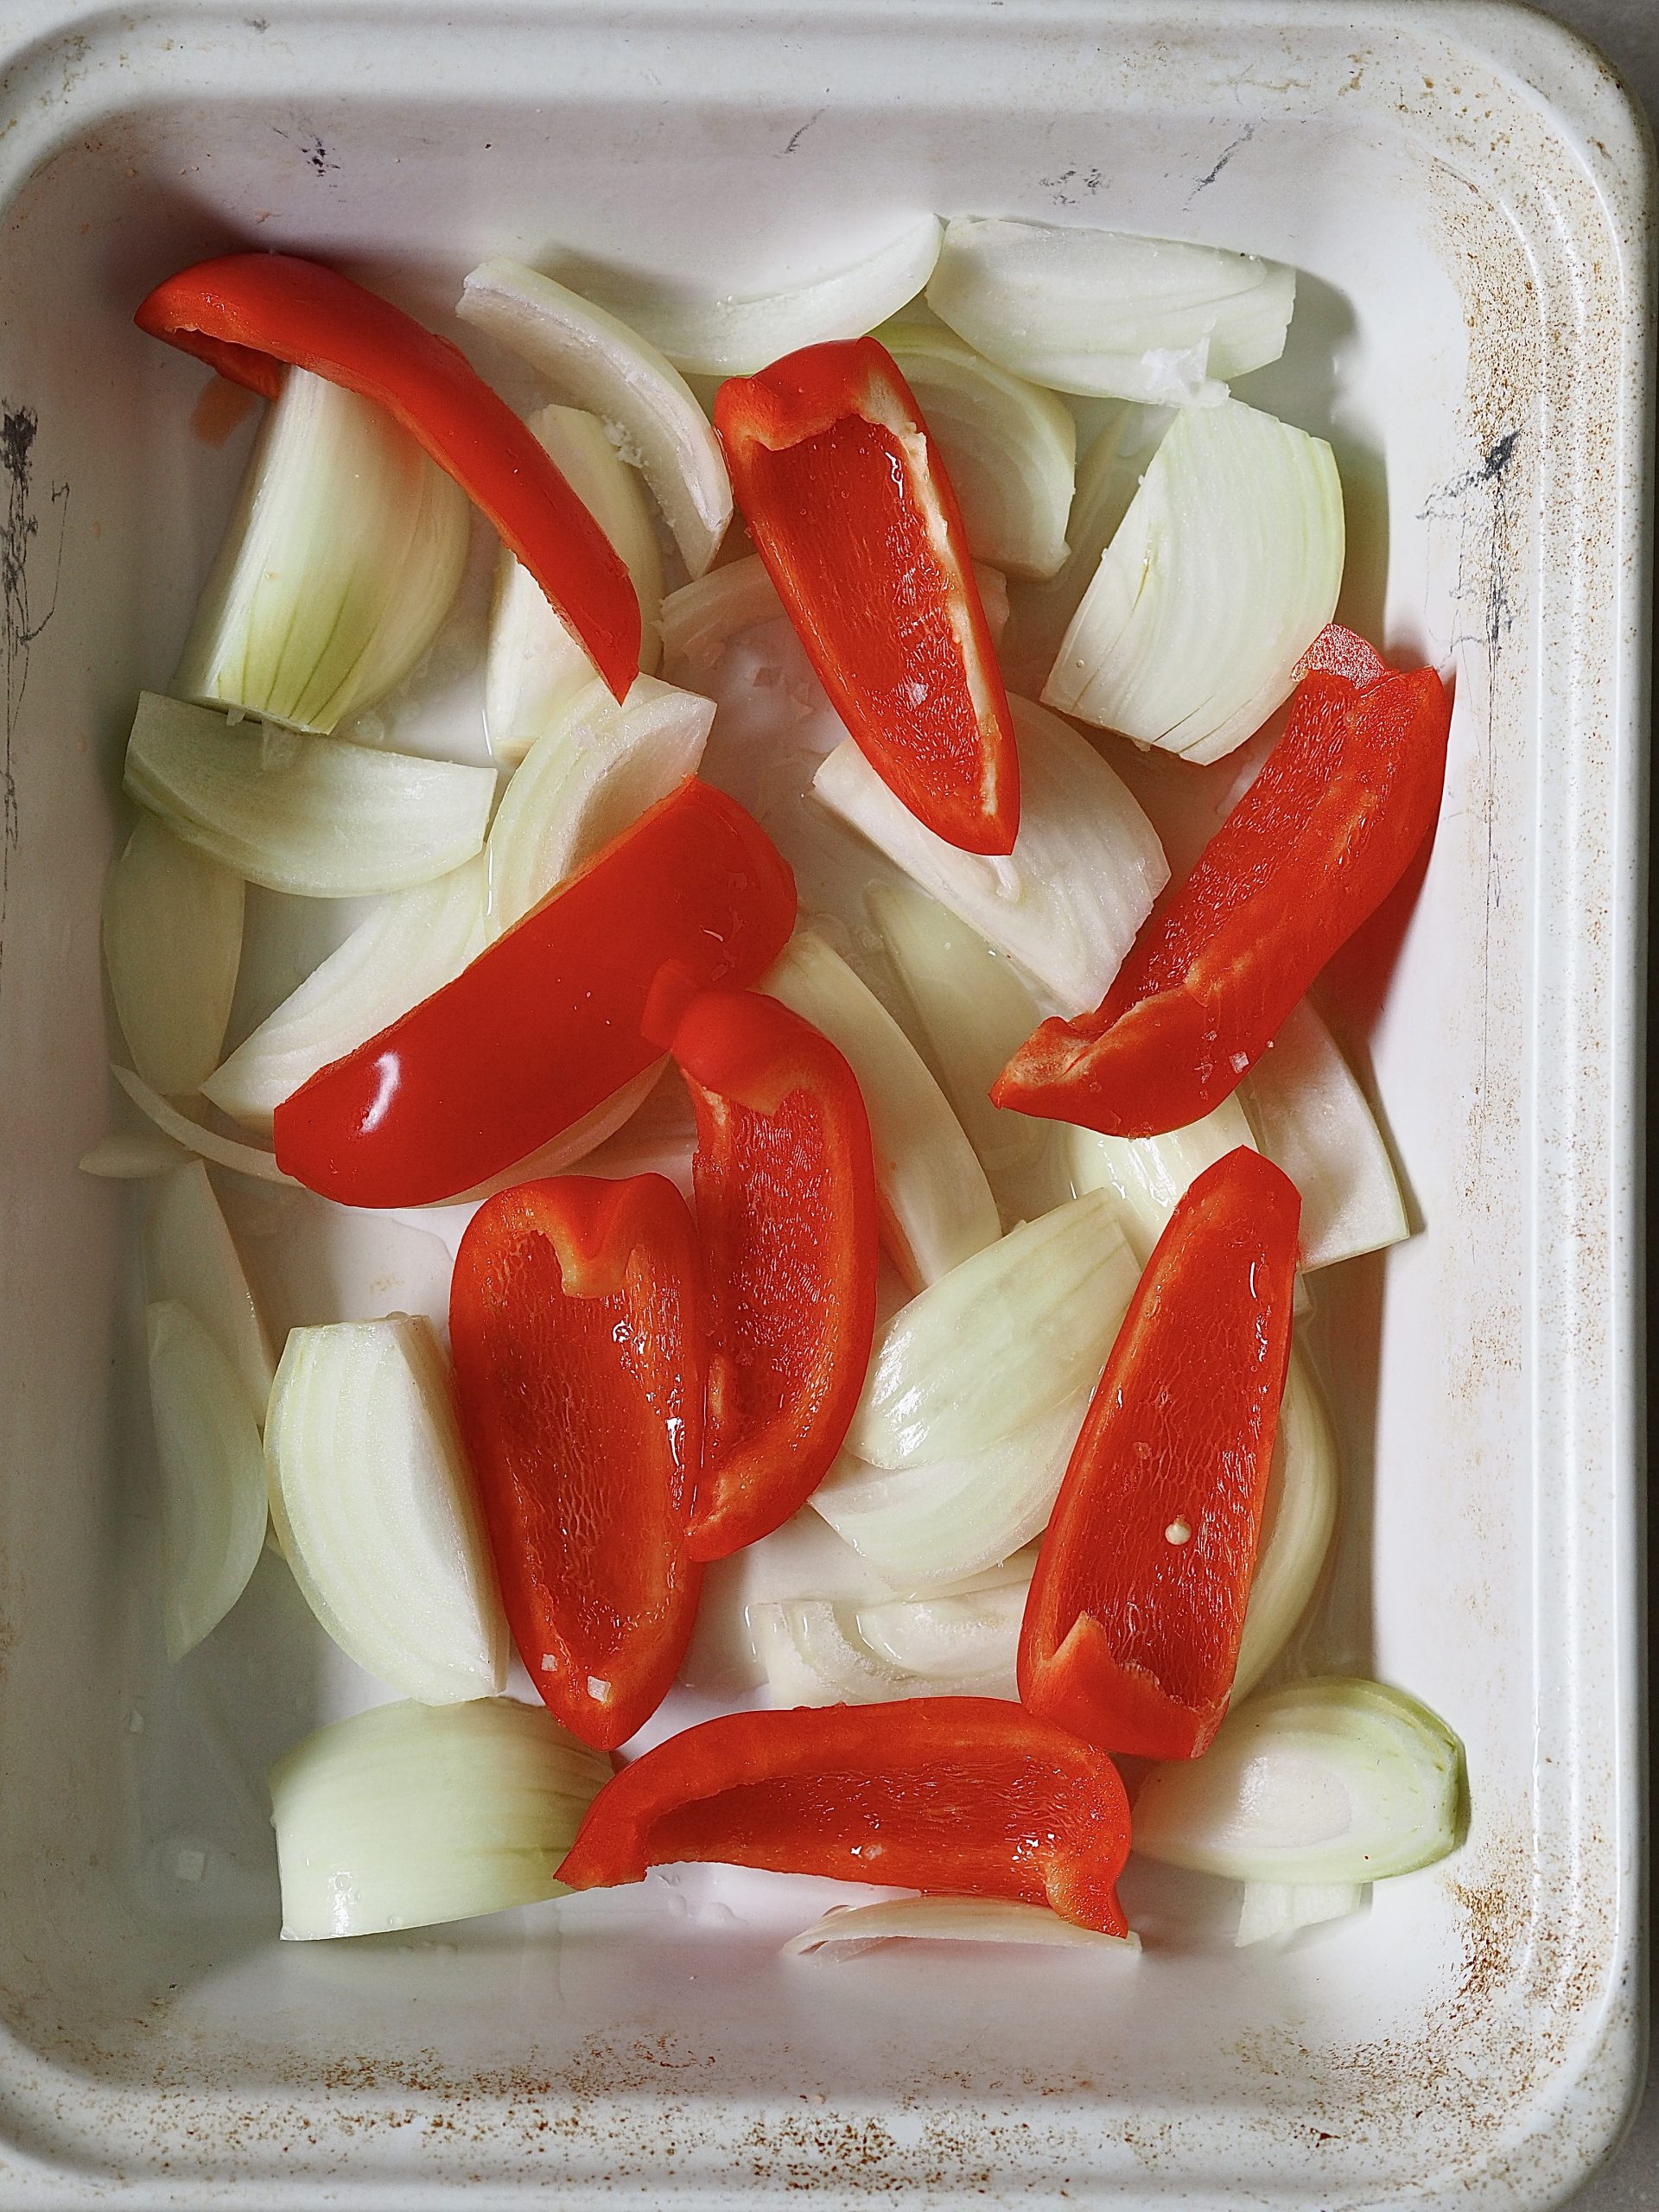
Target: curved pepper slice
[
  {"x": 787, "y": 1219},
  {"x": 964, "y": 1794},
  {"x": 548, "y": 1021},
  {"x": 849, "y": 504},
  {"x": 246, "y": 313},
  {"x": 1131, "y": 1631},
  {"x": 574, "y": 1311},
  {"x": 1342, "y": 802}
]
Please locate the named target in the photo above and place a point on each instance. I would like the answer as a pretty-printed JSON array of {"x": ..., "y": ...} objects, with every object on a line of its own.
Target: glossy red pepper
[
  {"x": 548, "y": 1022},
  {"x": 968, "y": 1795},
  {"x": 247, "y": 314},
  {"x": 787, "y": 1219},
  {"x": 1132, "y": 1626},
  {"x": 576, "y": 1315},
  {"x": 1344, "y": 799},
  {"x": 849, "y": 506}
]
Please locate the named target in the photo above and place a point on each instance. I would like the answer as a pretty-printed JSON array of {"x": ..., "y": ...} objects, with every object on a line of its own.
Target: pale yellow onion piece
[
  {"x": 1299, "y": 1518},
  {"x": 206, "y": 1144},
  {"x": 735, "y": 336},
  {"x": 410, "y": 1814},
  {"x": 956, "y": 1517},
  {"x": 974, "y": 1013},
  {"x": 372, "y": 1500},
  {"x": 937, "y": 1207},
  {"x": 339, "y": 565},
  {"x": 413, "y": 944},
  {"x": 1327, "y": 1781},
  {"x": 1009, "y": 449},
  {"x": 309, "y": 815},
  {"x": 1103, "y": 312},
  {"x": 1005, "y": 1335},
  {"x": 600, "y": 363},
  {"x": 848, "y": 1929},
  {"x": 597, "y": 768},
  {"x": 1147, "y": 1174},
  {"x": 1224, "y": 571},
  {"x": 815, "y": 1652},
  {"x": 191, "y": 1259},
  {"x": 1311, "y": 1119},
  {"x": 1084, "y": 870},
  {"x": 133, "y": 1159},
  {"x": 212, "y": 1477},
  {"x": 172, "y": 944},
  {"x": 702, "y": 618},
  {"x": 1268, "y": 1909},
  {"x": 534, "y": 668}
]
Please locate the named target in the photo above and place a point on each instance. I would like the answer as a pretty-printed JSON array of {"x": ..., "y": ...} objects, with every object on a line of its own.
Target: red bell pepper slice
[
  {"x": 968, "y": 1795},
  {"x": 849, "y": 506},
  {"x": 576, "y": 1315},
  {"x": 246, "y": 313},
  {"x": 787, "y": 1218},
  {"x": 1344, "y": 799},
  {"x": 549, "y": 1020},
  {"x": 1132, "y": 1626}
]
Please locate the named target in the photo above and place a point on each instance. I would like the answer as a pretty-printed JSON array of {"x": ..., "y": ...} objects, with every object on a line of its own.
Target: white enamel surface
[{"x": 159, "y": 2040}]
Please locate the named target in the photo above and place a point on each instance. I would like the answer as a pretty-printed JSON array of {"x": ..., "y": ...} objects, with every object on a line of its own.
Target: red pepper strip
[
  {"x": 576, "y": 1311},
  {"x": 1132, "y": 1625},
  {"x": 245, "y": 314},
  {"x": 849, "y": 506},
  {"x": 1346, "y": 798},
  {"x": 965, "y": 1794},
  {"x": 787, "y": 1218},
  {"x": 548, "y": 1022}
]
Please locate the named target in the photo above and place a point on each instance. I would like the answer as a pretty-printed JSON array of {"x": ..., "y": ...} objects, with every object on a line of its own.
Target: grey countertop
[{"x": 1627, "y": 31}]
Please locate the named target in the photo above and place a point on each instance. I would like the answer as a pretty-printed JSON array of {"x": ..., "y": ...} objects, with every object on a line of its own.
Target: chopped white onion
[
  {"x": 1084, "y": 872},
  {"x": 191, "y": 1260},
  {"x": 133, "y": 1159},
  {"x": 953, "y": 1518},
  {"x": 172, "y": 944},
  {"x": 534, "y": 667},
  {"x": 213, "y": 1476},
  {"x": 1325, "y": 1781},
  {"x": 1009, "y": 449},
  {"x": 338, "y": 567},
  {"x": 413, "y": 944},
  {"x": 1148, "y": 1174},
  {"x": 310, "y": 815},
  {"x": 734, "y": 336},
  {"x": 1224, "y": 571},
  {"x": 372, "y": 1500},
  {"x": 410, "y": 1814},
  {"x": 1311, "y": 1119},
  {"x": 602, "y": 365},
  {"x": 973, "y": 1012},
  {"x": 1101, "y": 312},
  {"x": 937, "y": 1206},
  {"x": 1001, "y": 1340},
  {"x": 817, "y": 1652},
  {"x": 1299, "y": 1517},
  {"x": 206, "y": 1144},
  {"x": 847, "y": 1930},
  {"x": 1281, "y": 1908},
  {"x": 596, "y": 769}
]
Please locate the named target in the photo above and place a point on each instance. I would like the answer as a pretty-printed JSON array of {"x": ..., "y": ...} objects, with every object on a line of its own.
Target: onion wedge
[
  {"x": 1299, "y": 1517},
  {"x": 847, "y": 1930},
  {"x": 213, "y": 1476},
  {"x": 372, "y": 1502},
  {"x": 1224, "y": 571},
  {"x": 410, "y": 1814},
  {"x": 172, "y": 944},
  {"x": 1147, "y": 1175},
  {"x": 191, "y": 1260},
  {"x": 816, "y": 1652},
  {"x": 310, "y": 815},
  {"x": 937, "y": 1208},
  {"x": 602, "y": 365}
]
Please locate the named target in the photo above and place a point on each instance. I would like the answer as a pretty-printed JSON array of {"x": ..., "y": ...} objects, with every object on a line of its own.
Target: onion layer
[
  {"x": 172, "y": 944},
  {"x": 213, "y": 1476},
  {"x": 816, "y": 1652},
  {"x": 191, "y": 1260},
  {"x": 847, "y": 1930}
]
